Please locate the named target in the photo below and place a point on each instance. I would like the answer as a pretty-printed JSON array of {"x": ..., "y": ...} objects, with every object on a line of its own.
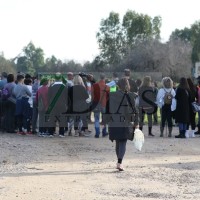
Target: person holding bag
[{"x": 120, "y": 112}]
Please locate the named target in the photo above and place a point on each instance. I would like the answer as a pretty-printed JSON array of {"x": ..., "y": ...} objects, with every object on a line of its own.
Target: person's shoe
[
  {"x": 119, "y": 167},
  {"x": 51, "y": 136},
  {"x": 181, "y": 135},
  {"x": 197, "y": 133},
  {"x": 40, "y": 134},
  {"x": 169, "y": 135},
  {"x": 152, "y": 135},
  {"x": 96, "y": 136},
  {"x": 70, "y": 132},
  {"x": 34, "y": 132},
  {"x": 87, "y": 134},
  {"x": 187, "y": 134},
  {"x": 76, "y": 133},
  {"x": 105, "y": 134},
  {"x": 192, "y": 135},
  {"x": 170, "y": 132},
  {"x": 81, "y": 133},
  {"x": 28, "y": 133},
  {"x": 62, "y": 136}
]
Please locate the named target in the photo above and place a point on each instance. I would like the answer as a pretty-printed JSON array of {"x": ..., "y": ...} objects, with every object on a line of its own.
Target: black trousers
[
  {"x": 166, "y": 115},
  {"x": 9, "y": 116}
]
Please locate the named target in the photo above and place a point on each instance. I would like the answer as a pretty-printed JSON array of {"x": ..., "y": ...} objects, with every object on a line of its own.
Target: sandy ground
[{"x": 34, "y": 168}]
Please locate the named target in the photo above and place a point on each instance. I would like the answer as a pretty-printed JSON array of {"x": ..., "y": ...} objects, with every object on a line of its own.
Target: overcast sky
[{"x": 67, "y": 28}]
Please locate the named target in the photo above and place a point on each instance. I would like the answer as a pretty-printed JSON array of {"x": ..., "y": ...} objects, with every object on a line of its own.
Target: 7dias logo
[{"x": 75, "y": 95}]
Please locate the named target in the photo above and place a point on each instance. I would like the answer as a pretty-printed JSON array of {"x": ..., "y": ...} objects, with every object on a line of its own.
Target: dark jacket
[
  {"x": 77, "y": 97},
  {"x": 183, "y": 97},
  {"x": 60, "y": 104},
  {"x": 147, "y": 98},
  {"x": 119, "y": 113},
  {"x": 133, "y": 85}
]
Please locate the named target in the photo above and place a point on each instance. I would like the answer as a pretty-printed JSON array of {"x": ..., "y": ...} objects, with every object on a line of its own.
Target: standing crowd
[{"x": 30, "y": 106}]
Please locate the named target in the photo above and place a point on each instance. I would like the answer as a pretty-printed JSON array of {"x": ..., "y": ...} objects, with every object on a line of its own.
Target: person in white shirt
[{"x": 166, "y": 102}]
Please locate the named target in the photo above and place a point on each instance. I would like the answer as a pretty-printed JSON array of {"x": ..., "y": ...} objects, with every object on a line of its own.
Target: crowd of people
[{"x": 42, "y": 106}]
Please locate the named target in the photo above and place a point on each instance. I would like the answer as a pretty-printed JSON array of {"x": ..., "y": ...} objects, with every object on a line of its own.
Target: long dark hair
[
  {"x": 192, "y": 87},
  {"x": 184, "y": 84}
]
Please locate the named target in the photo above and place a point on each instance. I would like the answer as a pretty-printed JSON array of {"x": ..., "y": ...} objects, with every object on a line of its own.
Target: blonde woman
[
  {"x": 165, "y": 100},
  {"x": 78, "y": 81},
  {"x": 78, "y": 96},
  {"x": 147, "y": 98}
]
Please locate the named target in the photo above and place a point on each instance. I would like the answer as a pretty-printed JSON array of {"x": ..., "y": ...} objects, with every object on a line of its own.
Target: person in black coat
[
  {"x": 192, "y": 113},
  {"x": 57, "y": 105},
  {"x": 183, "y": 98},
  {"x": 120, "y": 112},
  {"x": 78, "y": 106}
]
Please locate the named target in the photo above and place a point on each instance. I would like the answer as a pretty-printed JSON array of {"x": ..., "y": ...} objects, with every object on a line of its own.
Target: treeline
[{"x": 131, "y": 42}]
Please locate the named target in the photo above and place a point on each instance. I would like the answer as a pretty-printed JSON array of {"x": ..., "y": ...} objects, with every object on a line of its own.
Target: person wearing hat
[{"x": 57, "y": 105}]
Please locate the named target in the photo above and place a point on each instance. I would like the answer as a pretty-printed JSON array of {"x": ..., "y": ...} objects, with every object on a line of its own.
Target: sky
[{"x": 67, "y": 28}]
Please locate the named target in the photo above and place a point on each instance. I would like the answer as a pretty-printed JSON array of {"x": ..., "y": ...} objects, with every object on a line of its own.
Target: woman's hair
[
  {"x": 167, "y": 82},
  {"x": 191, "y": 86},
  {"x": 146, "y": 81},
  {"x": 78, "y": 81},
  {"x": 190, "y": 83},
  {"x": 10, "y": 78},
  {"x": 123, "y": 84},
  {"x": 183, "y": 83},
  {"x": 27, "y": 81},
  {"x": 138, "y": 82}
]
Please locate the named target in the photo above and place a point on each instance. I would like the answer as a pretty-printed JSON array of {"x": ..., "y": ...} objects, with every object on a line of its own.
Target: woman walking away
[
  {"x": 166, "y": 102},
  {"x": 121, "y": 111},
  {"x": 192, "y": 113},
  {"x": 183, "y": 98}
]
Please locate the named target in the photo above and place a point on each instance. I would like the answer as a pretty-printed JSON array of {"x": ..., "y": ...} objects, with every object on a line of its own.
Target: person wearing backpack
[{"x": 166, "y": 102}]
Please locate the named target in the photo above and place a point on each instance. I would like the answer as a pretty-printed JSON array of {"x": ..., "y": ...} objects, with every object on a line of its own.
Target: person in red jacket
[{"x": 100, "y": 93}]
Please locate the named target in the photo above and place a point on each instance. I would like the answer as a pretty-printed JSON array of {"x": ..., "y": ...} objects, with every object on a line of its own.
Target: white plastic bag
[{"x": 138, "y": 139}]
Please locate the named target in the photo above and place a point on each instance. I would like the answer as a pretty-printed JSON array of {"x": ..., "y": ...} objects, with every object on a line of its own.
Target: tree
[
  {"x": 32, "y": 59},
  {"x": 140, "y": 26},
  {"x": 50, "y": 63},
  {"x": 191, "y": 35},
  {"x": 6, "y": 65},
  {"x": 110, "y": 39},
  {"x": 115, "y": 39},
  {"x": 151, "y": 57}
]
